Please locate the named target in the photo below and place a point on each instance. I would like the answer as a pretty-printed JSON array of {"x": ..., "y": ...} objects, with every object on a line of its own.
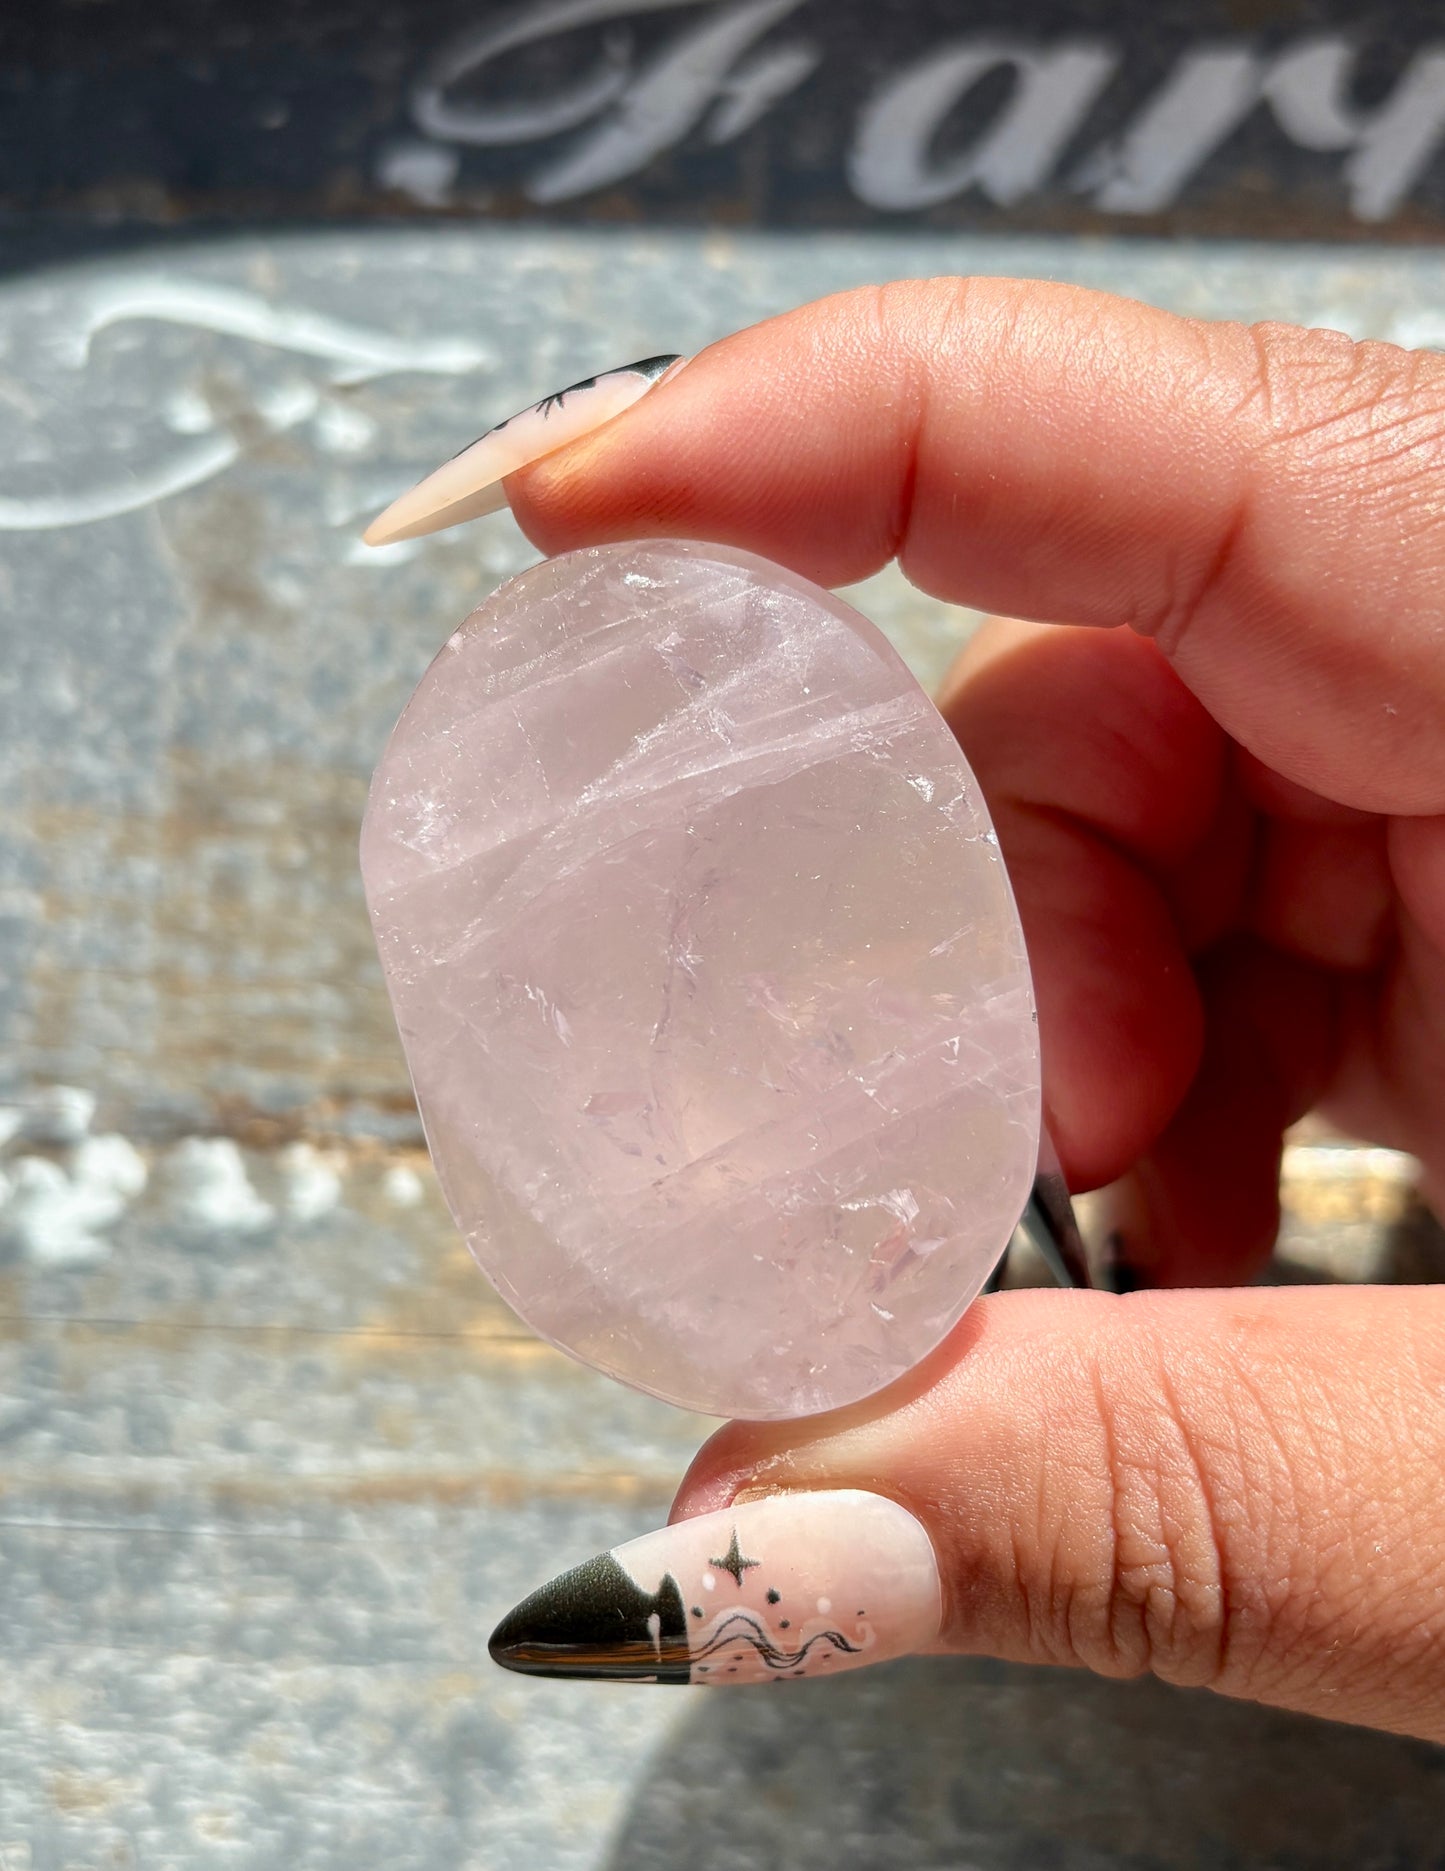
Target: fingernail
[
  {"x": 470, "y": 484},
  {"x": 1121, "y": 1273},
  {"x": 802, "y": 1584}
]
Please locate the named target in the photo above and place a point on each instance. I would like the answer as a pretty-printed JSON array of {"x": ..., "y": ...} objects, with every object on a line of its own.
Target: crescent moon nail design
[
  {"x": 808, "y": 1584},
  {"x": 470, "y": 484}
]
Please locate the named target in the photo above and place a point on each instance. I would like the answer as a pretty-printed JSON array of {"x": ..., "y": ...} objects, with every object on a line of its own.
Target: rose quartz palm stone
[{"x": 709, "y": 977}]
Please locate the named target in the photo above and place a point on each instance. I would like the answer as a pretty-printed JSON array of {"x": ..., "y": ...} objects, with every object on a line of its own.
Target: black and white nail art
[
  {"x": 805, "y": 1584},
  {"x": 470, "y": 484}
]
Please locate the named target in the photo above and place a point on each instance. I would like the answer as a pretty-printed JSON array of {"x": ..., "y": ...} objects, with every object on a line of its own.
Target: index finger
[{"x": 1266, "y": 503}]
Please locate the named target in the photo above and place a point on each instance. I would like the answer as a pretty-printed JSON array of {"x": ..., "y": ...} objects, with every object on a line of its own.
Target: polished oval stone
[{"x": 709, "y": 976}]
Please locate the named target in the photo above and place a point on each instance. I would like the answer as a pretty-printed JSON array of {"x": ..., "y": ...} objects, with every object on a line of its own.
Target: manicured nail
[
  {"x": 803, "y": 1584},
  {"x": 1121, "y": 1274},
  {"x": 470, "y": 484}
]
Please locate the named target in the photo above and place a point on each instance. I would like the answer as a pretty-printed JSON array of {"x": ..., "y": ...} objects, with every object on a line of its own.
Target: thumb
[{"x": 1240, "y": 1489}]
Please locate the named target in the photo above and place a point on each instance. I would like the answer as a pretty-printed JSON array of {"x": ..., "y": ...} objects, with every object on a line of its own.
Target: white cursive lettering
[
  {"x": 440, "y": 115},
  {"x": 1389, "y": 146},
  {"x": 891, "y": 167},
  {"x": 666, "y": 100},
  {"x": 1208, "y": 95},
  {"x": 646, "y": 112},
  {"x": 715, "y": 77}
]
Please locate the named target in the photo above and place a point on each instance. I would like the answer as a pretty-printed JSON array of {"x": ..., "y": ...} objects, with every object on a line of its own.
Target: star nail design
[
  {"x": 733, "y": 1561},
  {"x": 649, "y": 1611}
]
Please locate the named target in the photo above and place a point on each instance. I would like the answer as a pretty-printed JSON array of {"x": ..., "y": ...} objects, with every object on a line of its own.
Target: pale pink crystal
[{"x": 709, "y": 976}]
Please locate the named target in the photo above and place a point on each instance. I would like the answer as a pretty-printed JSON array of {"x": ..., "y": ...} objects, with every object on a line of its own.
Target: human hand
[{"x": 1218, "y": 776}]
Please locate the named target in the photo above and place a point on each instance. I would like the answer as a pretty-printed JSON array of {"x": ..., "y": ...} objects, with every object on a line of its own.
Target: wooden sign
[{"x": 1269, "y": 117}]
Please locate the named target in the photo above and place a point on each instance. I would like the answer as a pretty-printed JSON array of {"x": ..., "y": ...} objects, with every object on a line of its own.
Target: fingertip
[
  {"x": 1120, "y": 1022},
  {"x": 1177, "y": 1483},
  {"x": 1254, "y": 502},
  {"x": 762, "y": 1457},
  {"x": 1090, "y": 723},
  {"x": 700, "y": 456}
]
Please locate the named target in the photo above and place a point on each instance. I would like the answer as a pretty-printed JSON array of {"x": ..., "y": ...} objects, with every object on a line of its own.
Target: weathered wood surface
[
  {"x": 272, "y": 1458},
  {"x": 1257, "y": 117}
]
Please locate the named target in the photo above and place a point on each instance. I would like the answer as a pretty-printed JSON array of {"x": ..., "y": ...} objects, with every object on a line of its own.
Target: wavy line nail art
[
  {"x": 805, "y": 1584},
  {"x": 470, "y": 484}
]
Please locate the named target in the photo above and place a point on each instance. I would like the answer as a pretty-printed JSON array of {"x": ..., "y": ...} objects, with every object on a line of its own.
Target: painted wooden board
[{"x": 1227, "y": 117}]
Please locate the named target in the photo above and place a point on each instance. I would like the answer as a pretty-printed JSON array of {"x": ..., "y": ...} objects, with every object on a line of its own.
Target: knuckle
[
  {"x": 1322, "y": 419},
  {"x": 923, "y": 316},
  {"x": 1240, "y": 1510},
  {"x": 1168, "y": 1605},
  {"x": 1336, "y": 407}
]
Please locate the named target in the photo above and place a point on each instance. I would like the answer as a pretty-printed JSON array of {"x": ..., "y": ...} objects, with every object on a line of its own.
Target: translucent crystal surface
[{"x": 709, "y": 977}]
